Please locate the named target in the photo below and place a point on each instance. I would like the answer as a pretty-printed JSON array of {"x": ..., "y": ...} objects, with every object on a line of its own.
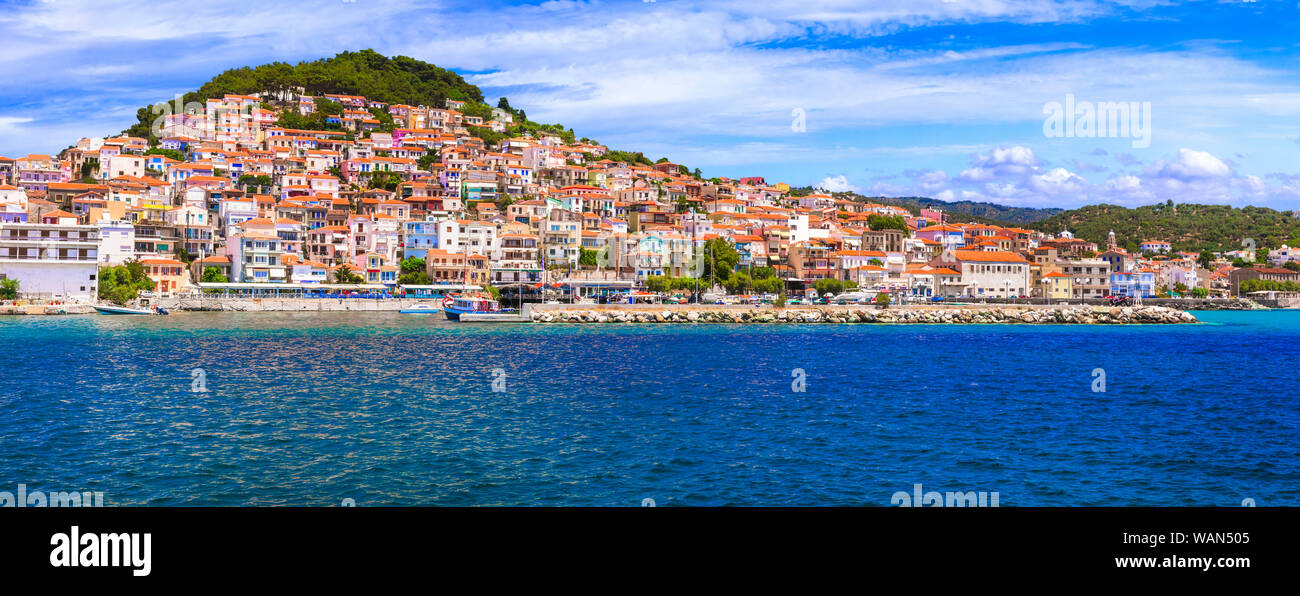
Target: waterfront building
[
  {"x": 994, "y": 274},
  {"x": 446, "y": 267},
  {"x": 519, "y": 260},
  {"x": 55, "y": 258},
  {"x": 1262, "y": 273},
  {"x": 1091, "y": 277},
  {"x": 1140, "y": 283},
  {"x": 168, "y": 275},
  {"x": 1057, "y": 286},
  {"x": 255, "y": 257},
  {"x": 926, "y": 281}
]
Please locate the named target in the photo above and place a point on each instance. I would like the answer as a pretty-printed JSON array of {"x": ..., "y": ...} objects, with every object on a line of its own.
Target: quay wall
[
  {"x": 983, "y": 314},
  {"x": 208, "y": 303},
  {"x": 46, "y": 309}
]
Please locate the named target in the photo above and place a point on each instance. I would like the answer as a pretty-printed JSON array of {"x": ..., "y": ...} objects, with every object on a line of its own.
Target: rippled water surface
[{"x": 310, "y": 409}]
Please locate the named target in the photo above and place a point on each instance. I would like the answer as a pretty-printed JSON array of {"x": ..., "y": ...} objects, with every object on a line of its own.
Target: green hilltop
[
  {"x": 400, "y": 80},
  {"x": 955, "y": 211},
  {"x": 1188, "y": 226}
]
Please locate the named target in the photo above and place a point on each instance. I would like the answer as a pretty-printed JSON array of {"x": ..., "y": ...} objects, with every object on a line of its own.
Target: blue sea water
[{"x": 389, "y": 409}]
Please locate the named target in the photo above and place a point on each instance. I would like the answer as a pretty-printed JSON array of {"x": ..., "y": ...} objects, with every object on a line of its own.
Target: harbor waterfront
[
  {"x": 692, "y": 313},
  {"x": 208, "y": 408},
  {"x": 958, "y": 314}
]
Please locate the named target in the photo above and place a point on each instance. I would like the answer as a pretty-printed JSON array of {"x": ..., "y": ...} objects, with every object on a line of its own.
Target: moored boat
[
  {"x": 109, "y": 309},
  {"x": 421, "y": 309},
  {"x": 471, "y": 305}
]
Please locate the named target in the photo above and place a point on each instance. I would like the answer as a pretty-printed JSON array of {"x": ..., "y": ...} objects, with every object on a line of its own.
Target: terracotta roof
[{"x": 989, "y": 256}]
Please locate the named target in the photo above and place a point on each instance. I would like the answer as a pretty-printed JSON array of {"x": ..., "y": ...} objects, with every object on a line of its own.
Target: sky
[{"x": 984, "y": 100}]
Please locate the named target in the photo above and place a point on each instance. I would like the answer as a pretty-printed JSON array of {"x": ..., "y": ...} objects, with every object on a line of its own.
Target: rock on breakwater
[{"x": 1080, "y": 315}]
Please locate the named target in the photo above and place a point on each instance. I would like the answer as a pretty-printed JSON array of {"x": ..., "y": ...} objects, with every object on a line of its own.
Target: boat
[
  {"x": 470, "y": 305},
  {"x": 421, "y": 309},
  {"x": 852, "y": 298},
  {"x": 108, "y": 309}
]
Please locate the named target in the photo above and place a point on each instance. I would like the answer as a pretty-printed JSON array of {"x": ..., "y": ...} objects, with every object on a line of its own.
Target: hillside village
[{"x": 399, "y": 198}]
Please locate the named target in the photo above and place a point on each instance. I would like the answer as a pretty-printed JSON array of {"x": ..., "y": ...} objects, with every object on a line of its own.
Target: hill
[
  {"x": 988, "y": 212},
  {"x": 391, "y": 80},
  {"x": 957, "y": 211},
  {"x": 1189, "y": 226}
]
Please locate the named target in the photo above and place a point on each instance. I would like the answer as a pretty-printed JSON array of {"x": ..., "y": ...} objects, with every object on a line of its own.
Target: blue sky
[{"x": 942, "y": 98}]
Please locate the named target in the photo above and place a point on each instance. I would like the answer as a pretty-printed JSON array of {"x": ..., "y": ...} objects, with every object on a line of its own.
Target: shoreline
[
  {"x": 957, "y": 315},
  {"x": 1024, "y": 314}
]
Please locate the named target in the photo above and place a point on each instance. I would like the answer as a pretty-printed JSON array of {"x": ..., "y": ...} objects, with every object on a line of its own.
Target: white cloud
[
  {"x": 838, "y": 183},
  {"x": 1016, "y": 176},
  {"x": 1192, "y": 164},
  {"x": 1058, "y": 181},
  {"x": 9, "y": 124}
]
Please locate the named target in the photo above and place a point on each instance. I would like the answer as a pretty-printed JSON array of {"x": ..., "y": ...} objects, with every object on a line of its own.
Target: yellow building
[{"x": 1058, "y": 286}]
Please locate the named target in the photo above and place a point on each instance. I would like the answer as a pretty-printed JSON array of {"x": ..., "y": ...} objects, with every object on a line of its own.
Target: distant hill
[
  {"x": 1190, "y": 227},
  {"x": 987, "y": 211},
  {"x": 391, "y": 80},
  {"x": 957, "y": 211}
]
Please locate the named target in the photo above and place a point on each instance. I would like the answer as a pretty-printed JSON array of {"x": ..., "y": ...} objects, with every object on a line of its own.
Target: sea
[{"x": 381, "y": 409}]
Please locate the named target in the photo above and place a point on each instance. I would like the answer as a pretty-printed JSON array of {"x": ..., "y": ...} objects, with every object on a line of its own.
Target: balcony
[{"x": 14, "y": 258}]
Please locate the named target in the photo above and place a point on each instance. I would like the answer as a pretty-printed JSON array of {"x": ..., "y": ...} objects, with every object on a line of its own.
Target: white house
[
  {"x": 116, "y": 242},
  {"x": 51, "y": 260},
  {"x": 994, "y": 274}
]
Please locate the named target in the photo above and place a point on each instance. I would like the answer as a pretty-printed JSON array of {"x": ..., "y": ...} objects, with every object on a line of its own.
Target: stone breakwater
[{"x": 1085, "y": 315}]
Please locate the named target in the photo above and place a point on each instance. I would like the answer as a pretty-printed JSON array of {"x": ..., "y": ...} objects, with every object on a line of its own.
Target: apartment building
[{"x": 51, "y": 260}]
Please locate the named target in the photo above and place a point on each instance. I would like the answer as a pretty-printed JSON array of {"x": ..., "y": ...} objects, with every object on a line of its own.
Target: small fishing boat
[
  {"x": 109, "y": 309},
  {"x": 471, "y": 305},
  {"x": 421, "y": 309}
]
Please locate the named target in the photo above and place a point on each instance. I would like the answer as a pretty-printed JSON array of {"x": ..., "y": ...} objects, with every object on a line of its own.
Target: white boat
[
  {"x": 421, "y": 309},
  {"x": 852, "y": 297},
  {"x": 109, "y": 309},
  {"x": 470, "y": 305}
]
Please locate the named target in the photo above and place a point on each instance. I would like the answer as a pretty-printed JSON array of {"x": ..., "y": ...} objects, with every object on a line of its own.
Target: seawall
[
  {"x": 983, "y": 314},
  {"x": 293, "y": 304},
  {"x": 46, "y": 309}
]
